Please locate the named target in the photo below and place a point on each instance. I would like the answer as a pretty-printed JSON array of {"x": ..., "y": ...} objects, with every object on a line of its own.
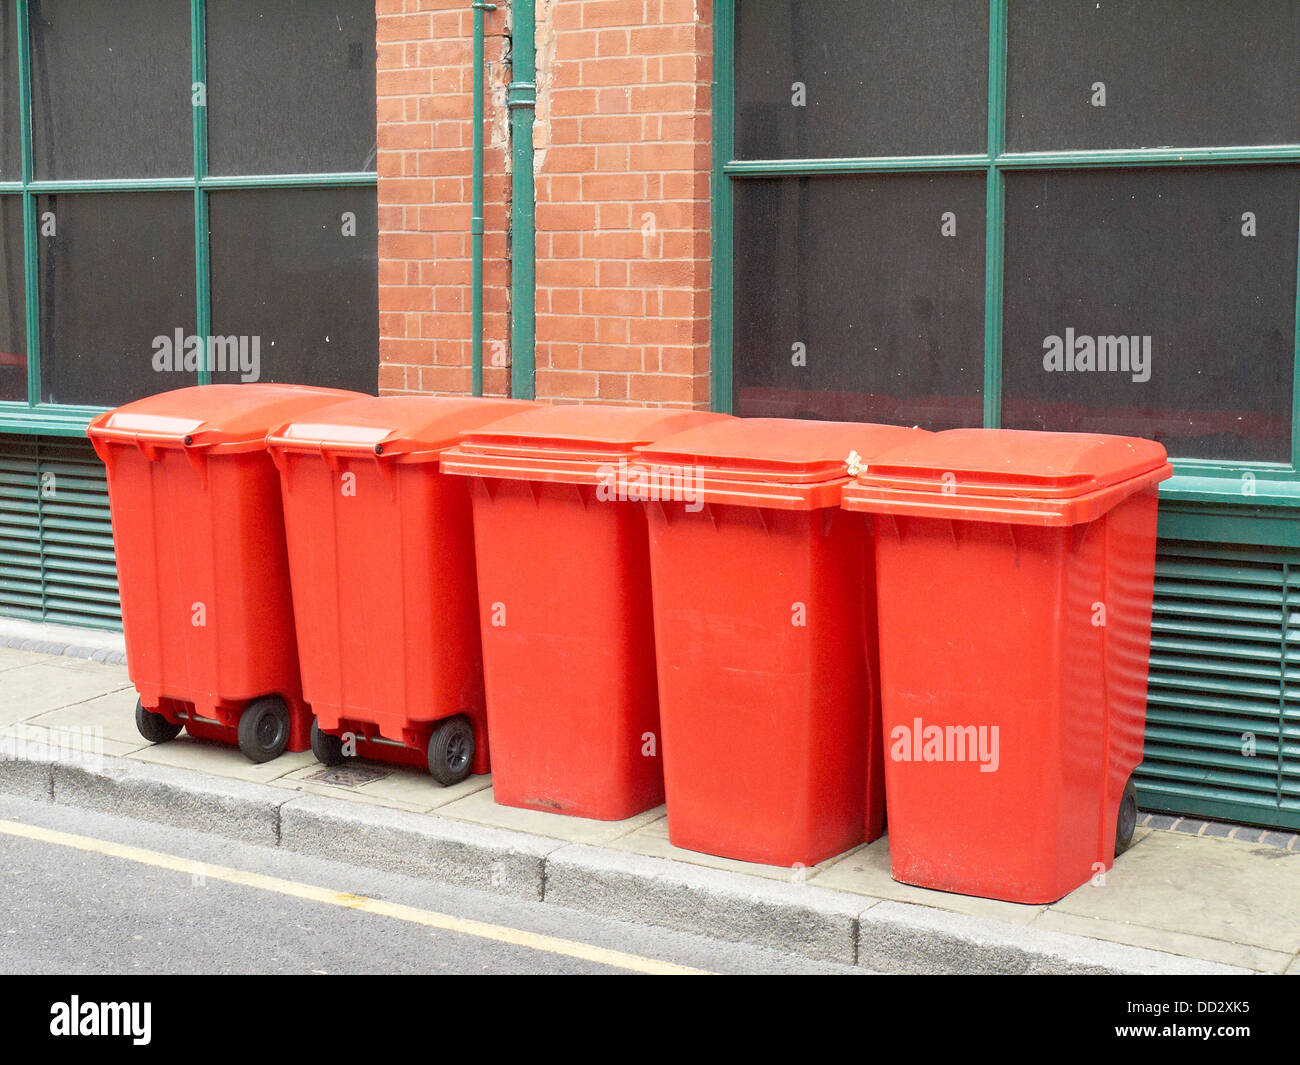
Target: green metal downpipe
[
  {"x": 31, "y": 253},
  {"x": 476, "y": 219},
  {"x": 521, "y": 99},
  {"x": 202, "y": 251}
]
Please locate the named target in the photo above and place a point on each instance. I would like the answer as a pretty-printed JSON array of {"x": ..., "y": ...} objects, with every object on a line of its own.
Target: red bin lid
[
  {"x": 785, "y": 450},
  {"x": 762, "y": 462},
  {"x": 391, "y": 425},
  {"x": 581, "y": 427},
  {"x": 571, "y": 443},
  {"x": 1020, "y": 475},
  {"x": 228, "y": 417}
]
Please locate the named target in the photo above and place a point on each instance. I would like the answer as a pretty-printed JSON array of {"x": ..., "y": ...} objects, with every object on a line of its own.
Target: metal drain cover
[{"x": 349, "y": 776}]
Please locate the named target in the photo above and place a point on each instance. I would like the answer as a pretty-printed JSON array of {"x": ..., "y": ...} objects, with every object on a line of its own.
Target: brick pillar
[
  {"x": 623, "y": 143},
  {"x": 425, "y": 109}
]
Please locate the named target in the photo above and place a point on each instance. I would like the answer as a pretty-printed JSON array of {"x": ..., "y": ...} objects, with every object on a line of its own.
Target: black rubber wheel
[
  {"x": 327, "y": 749},
  {"x": 264, "y": 729},
  {"x": 1126, "y": 822},
  {"x": 154, "y": 727},
  {"x": 451, "y": 751}
]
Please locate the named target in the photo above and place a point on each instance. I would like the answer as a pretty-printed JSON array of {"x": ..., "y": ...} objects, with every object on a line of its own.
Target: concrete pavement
[{"x": 1173, "y": 903}]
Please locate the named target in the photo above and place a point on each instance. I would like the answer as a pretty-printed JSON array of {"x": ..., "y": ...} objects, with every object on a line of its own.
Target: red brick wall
[
  {"x": 623, "y": 140},
  {"x": 425, "y": 90},
  {"x": 623, "y": 155}
]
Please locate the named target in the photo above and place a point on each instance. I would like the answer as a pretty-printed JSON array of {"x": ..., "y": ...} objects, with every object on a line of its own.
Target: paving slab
[
  {"x": 399, "y": 786},
  {"x": 83, "y": 742},
  {"x": 220, "y": 759},
  {"x": 866, "y": 872},
  {"x": 1216, "y": 888},
  {"x": 11, "y": 658},
  {"x": 481, "y": 808},
  {"x": 33, "y": 689},
  {"x": 419, "y": 788},
  {"x": 113, "y": 713},
  {"x": 1193, "y": 946},
  {"x": 307, "y": 787},
  {"x": 652, "y": 841}
]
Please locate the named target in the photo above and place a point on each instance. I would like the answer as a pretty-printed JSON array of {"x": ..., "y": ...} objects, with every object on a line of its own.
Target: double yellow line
[{"x": 363, "y": 903}]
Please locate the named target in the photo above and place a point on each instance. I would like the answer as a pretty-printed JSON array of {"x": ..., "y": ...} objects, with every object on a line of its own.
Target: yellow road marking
[{"x": 363, "y": 903}]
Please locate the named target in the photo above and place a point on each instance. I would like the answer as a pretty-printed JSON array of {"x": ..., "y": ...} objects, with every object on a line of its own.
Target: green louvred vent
[
  {"x": 1223, "y": 710},
  {"x": 56, "y": 540}
]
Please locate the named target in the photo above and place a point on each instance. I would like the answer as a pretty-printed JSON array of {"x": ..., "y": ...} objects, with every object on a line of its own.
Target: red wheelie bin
[
  {"x": 204, "y": 580},
  {"x": 764, "y": 609},
  {"x": 1014, "y": 575},
  {"x": 564, "y": 598},
  {"x": 381, "y": 555}
]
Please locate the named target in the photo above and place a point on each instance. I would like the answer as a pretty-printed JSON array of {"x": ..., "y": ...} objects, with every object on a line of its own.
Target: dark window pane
[
  {"x": 13, "y": 305},
  {"x": 291, "y": 86},
  {"x": 895, "y": 77},
  {"x": 10, "y": 143},
  {"x": 116, "y": 287},
  {"x": 1115, "y": 260},
  {"x": 111, "y": 88},
  {"x": 1176, "y": 73},
  {"x": 291, "y": 285},
  {"x": 852, "y": 303}
]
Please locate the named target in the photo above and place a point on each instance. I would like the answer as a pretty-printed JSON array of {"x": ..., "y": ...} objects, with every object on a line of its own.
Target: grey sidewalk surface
[{"x": 1174, "y": 903}]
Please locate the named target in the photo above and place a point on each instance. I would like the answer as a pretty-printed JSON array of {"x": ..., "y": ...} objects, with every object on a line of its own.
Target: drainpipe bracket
[{"x": 521, "y": 94}]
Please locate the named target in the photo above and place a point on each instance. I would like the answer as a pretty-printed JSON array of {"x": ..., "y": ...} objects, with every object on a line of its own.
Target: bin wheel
[
  {"x": 264, "y": 729},
  {"x": 327, "y": 749},
  {"x": 451, "y": 751},
  {"x": 1127, "y": 820},
  {"x": 154, "y": 727}
]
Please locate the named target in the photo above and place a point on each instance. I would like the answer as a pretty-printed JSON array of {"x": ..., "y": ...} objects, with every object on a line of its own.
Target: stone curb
[
  {"x": 481, "y": 857},
  {"x": 65, "y": 650},
  {"x": 235, "y": 809},
  {"x": 50, "y": 639},
  {"x": 798, "y": 919},
  {"x": 804, "y": 919}
]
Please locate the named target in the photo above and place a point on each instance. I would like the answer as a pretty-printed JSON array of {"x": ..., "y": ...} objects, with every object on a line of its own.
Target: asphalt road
[{"x": 92, "y": 894}]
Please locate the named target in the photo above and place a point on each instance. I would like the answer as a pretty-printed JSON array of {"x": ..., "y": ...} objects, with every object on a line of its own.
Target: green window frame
[
  {"x": 1213, "y": 485},
  {"x": 51, "y": 419}
]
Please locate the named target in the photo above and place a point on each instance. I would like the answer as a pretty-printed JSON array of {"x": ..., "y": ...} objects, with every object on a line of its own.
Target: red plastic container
[
  {"x": 564, "y": 594},
  {"x": 765, "y": 624},
  {"x": 204, "y": 580},
  {"x": 1014, "y": 575},
  {"x": 381, "y": 553}
]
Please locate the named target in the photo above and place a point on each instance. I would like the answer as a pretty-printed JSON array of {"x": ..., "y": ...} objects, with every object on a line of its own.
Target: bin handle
[
  {"x": 330, "y": 451},
  {"x": 146, "y": 438},
  {"x": 383, "y": 449},
  {"x": 151, "y": 443}
]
